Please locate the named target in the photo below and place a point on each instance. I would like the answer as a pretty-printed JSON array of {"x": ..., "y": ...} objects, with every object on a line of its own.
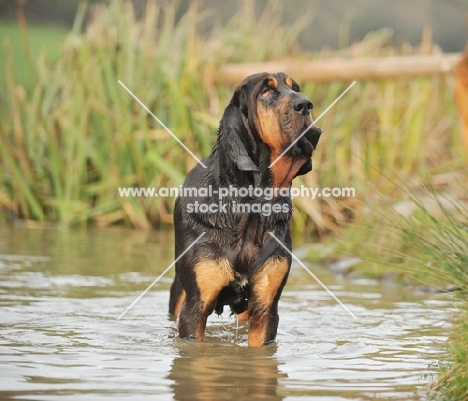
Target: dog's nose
[{"x": 302, "y": 106}]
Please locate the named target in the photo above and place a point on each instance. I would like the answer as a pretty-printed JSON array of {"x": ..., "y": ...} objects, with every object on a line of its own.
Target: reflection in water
[
  {"x": 62, "y": 291},
  {"x": 205, "y": 371}
]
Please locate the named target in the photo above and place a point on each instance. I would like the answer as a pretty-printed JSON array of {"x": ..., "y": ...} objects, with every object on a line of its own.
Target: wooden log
[
  {"x": 351, "y": 69},
  {"x": 461, "y": 96}
]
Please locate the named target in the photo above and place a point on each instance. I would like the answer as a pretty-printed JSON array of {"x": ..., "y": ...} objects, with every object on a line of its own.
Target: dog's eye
[{"x": 268, "y": 91}]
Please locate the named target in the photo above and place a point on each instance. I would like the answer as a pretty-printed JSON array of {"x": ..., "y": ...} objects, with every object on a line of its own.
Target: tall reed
[{"x": 78, "y": 135}]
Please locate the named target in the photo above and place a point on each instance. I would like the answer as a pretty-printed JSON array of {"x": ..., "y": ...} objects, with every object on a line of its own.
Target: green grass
[
  {"x": 453, "y": 383},
  {"x": 42, "y": 40},
  {"x": 453, "y": 379},
  {"x": 381, "y": 242}
]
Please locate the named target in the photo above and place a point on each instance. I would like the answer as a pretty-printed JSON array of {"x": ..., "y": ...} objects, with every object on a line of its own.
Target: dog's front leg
[
  {"x": 207, "y": 279},
  {"x": 193, "y": 316},
  {"x": 267, "y": 285}
]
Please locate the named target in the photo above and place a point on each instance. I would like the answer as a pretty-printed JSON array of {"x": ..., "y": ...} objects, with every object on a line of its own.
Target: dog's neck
[
  {"x": 285, "y": 170},
  {"x": 258, "y": 173}
]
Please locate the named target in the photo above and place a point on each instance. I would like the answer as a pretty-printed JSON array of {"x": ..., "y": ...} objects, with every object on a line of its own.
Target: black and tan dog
[{"x": 237, "y": 262}]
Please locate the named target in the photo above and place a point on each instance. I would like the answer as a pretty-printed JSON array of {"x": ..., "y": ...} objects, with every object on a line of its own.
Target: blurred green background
[
  {"x": 333, "y": 24},
  {"x": 70, "y": 135}
]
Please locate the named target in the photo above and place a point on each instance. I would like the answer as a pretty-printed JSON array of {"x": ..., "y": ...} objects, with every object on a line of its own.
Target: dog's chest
[{"x": 249, "y": 246}]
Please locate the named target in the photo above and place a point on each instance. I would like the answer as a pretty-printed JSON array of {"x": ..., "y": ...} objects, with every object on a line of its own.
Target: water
[{"x": 62, "y": 291}]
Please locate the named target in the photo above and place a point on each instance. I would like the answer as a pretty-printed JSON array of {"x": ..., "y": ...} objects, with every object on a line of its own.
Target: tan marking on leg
[
  {"x": 180, "y": 303},
  {"x": 267, "y": 281},
  {"x": 211, "y": 277},
  {"x": 257, "y": 336},
  {"x": 265, "y": 286}
]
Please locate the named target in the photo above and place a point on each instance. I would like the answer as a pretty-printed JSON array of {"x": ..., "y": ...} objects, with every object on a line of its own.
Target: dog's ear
[
  {"x": 245, "y": 163},
  {"x": 236, "y": 132}
]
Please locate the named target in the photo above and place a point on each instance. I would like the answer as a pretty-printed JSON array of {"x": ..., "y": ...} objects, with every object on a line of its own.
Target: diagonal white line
[
  {"x": 162, "y": 124},
  {"x": 311, "y": 125},
  {"x": 313, "y": 275},
  {"x": 160, "y": 276}
]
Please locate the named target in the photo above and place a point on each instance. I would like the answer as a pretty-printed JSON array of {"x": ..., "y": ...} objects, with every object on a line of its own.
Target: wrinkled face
[
  {"x": 283, "y": 112},
  {"x": 279, "y": 113},
  {"x": 268, "y": 109}
]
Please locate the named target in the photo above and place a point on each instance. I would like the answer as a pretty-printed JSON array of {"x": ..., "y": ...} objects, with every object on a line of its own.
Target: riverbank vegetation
[
  {"x": 438, "y": 243},
  {"x": 421, "y": 243},
  {"x": 75, "y": 135}
]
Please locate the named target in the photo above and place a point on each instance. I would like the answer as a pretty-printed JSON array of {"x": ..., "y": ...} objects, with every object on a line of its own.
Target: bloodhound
[{"x": 238, "y": 262}]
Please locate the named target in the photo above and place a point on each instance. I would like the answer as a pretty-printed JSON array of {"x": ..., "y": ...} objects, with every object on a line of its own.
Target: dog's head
[{"x": 266, "y": 116}]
